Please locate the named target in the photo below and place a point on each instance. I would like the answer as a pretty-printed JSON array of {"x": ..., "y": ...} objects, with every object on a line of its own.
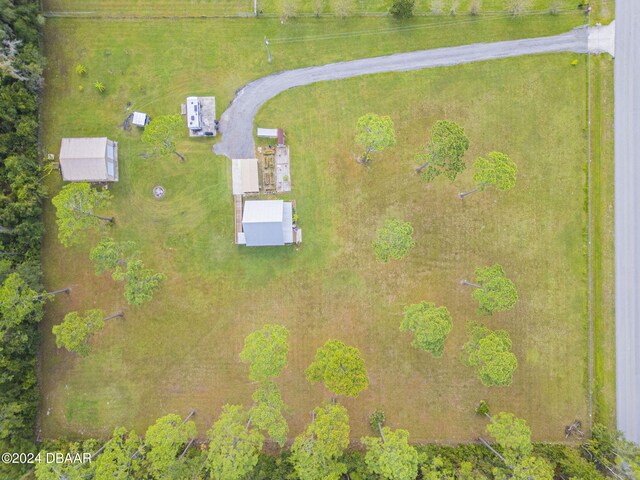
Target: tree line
[
  {"x": 233, "y": 447},
  {"x": 21, "y": 196}
]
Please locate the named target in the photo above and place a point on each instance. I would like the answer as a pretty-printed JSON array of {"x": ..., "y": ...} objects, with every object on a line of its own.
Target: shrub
[
  {"x": 402, "y": 8},
  {"x": 482, "y": 408},
  {"x": 81, "y": 69},
  {"x": 376, "y": 420},
  {"x": 99, "y": 86}
]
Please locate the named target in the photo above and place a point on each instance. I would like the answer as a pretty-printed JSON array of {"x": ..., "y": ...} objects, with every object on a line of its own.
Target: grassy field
[
  {"x": 603, "y": 245},
  {"x": 243, "y": 7},
  {"x": 181, "y": 351}
]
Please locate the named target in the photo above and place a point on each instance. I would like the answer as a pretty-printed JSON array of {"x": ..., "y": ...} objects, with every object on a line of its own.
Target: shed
[
  {"x": 267, "y": 222},
  {"x": 140, "y": 119},
  {"x": 89, "y": 159},
  {"x": 244, "y": 174},
  {"x": 267, "y": 132},
  {"x": 280, "y": 137}
]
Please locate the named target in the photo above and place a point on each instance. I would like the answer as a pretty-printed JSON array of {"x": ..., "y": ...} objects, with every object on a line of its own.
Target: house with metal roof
[
  {"x": 267, "y": 223},
  {"x": 89, "y": 159}
]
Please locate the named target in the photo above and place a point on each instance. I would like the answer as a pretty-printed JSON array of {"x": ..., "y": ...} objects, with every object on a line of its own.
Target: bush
[
  {"x": 376, "y": 420},
  {"x": 402, "y": 8},
  {"x": 482, "y": 408}
]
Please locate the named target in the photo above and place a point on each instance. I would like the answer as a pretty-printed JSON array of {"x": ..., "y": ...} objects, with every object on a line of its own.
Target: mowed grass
[
  {"x": 240, "y": 7},
  {"x": 181, "y": 351}
]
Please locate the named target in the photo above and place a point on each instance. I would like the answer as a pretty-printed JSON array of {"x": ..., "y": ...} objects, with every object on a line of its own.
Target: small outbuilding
[
  {"x": 140, "y": 119},
  {"x": 267, "y": 223},
  {"x": 244, "y": 175},
  {"x": 89, "y": 159}
]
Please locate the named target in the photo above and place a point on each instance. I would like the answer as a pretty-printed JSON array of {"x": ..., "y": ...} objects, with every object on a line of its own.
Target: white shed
[
  {"x": 267, "y": 223},
  {"x": 89, "y": 159}
]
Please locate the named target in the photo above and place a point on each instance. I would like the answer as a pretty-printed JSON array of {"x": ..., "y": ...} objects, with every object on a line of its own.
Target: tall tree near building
[
  {"x": 266, "y": 352},
  {"x": 316, "y": 453},
  {"x": 75, "y": 330},
  {"x": 340, "y": 367},
  {"x": 375, "y": 133},
  {"x": 444, "y": 152},
  {"x": 164, "y": 441},
  {"x": 391, "y": 456},
  {"x": 77, "y": 205},
  {"x": 493, "y": 290},
  {"x": 430, "y": 324},
  {"x": 161, "y": 132},
  {"x": 233, "y": 445},
  {"x": 496, "y": 170},
  {"x": 489, "y": 352}
]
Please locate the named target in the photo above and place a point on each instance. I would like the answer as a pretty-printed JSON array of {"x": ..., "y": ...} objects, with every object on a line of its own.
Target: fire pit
[{"x": 158, "y": 191}]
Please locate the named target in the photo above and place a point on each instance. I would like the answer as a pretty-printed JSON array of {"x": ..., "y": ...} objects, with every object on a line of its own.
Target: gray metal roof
[{"x": 265, "y": 222}]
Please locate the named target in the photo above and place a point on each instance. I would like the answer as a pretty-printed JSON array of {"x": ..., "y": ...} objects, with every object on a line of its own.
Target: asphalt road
[
  {"x": 236, "y": 123},
  {"x": 627, "y": 216}
]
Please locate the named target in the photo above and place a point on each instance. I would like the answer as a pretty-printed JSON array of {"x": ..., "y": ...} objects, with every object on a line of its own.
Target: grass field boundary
[{"x": 590, "y": 349}]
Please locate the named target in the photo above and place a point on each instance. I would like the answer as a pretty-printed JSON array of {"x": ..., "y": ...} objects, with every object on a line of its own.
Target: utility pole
[{"x": 266, "y": 42}]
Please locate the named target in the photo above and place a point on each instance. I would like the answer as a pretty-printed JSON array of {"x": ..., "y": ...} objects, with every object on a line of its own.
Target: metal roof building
[
  {"x": 244, "y": 175},
  {"x": 89, "y": 159},
  {"x": 267, "y": 223}
]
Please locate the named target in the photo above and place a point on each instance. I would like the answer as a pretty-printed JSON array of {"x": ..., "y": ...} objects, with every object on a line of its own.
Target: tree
[
  {"x": 266, "y": 351},
  {"x": 141, "y": 283},
  {"x": 76, "y": 207},
  {"x": 164, "y": 440},
  {"x": 496, "y": 170},
  {"x": 391, "y": 456},
  {"x": 317, "y": 6},
  {"x": 490, "y": 353},
  {"x": 343, "y": 8},
  {"x": 161, "y": 132},
  {"x": 266, "y": 413},
  {"x": 316, "y": 453},
  {"x": 494, "y": 291},
  {"x": 444, "y": 152},
  {"x": 75, "y": 330},
  {"x": 393, "y": 240},
  {"x": 233, "y": 446},
  {"x": 430, "y": 324},
  {"x": 120, "y": 459},
  {"x": 512, "y": 434},
  {"x": 402, "y": 8},
  {"x": 340, "y": 367},
  {"x": 375, "y": 133},
  {"x": 614, "y": 453},
  {"x": 111, "y": 255},
  {"x": 533, "y": 468}
]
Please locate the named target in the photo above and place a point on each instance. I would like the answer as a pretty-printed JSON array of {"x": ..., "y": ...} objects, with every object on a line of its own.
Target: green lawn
[
  {"x": 240, "y": 7},
  {"x": 181, "y": 351}
]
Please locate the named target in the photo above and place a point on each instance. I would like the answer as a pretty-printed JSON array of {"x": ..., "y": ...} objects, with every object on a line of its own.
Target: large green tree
[
  {"x": 110, "y": 255},
  {"x": 375, "y": 133},
  {"x": 533, "y": 468},
  {"x": 512, "y": 434},
  {"x": 141, "y": 283},
  {"x": 316, "y": 453},
  {"x": 77, "y": 205},
  {"x": 164, "y": 441},
  {"x": 75, "y": 330},
  {"x": 430, "y": 324},
  {"x": 233, "y": 445},
  {"x": 394, "y": 240},
  {"x": 120, "y": 458},
  {"x": 161, "y": 132},
  {"x": 391, "y": 456},
  {"x": 489, "y": 352},
  {"x": 340, "y": 367},
  {"x": 266, "y": 352},
  {"x": 266, "y": 413},
  {"x": 402, "y": 8},
  {"x": 444, "y": 152},
  {"x": 496, "y": 170},
  {"x": 493, "y": 290}
]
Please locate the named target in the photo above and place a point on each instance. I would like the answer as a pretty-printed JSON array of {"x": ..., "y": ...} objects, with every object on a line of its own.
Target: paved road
[
  {"x": 627, "y": 216},
  {"x": 236, "y": 123}
]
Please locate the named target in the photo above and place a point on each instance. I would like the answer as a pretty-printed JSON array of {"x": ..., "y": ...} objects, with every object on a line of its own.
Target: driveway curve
[{"x": 236, "y": 123}]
